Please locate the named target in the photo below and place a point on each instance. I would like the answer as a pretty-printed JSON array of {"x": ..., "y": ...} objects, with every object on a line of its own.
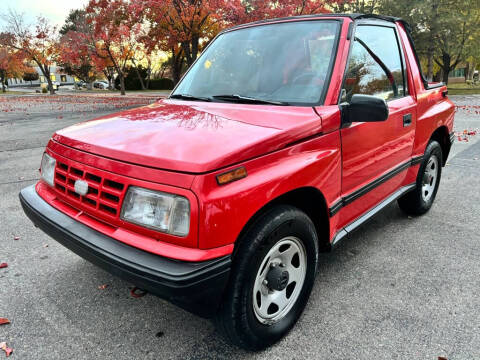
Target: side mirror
[{"x": 364, "y": 108}]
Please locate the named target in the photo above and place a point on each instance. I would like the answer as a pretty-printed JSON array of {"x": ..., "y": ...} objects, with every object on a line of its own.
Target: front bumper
[{"x": 194, "y": 286}]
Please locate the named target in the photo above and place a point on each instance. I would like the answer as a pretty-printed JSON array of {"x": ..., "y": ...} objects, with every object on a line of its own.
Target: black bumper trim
[{"x": 194, "y": 286}]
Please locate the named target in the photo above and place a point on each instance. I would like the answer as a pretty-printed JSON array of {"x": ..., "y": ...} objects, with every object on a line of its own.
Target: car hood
[{"x": 192, "y": 137}]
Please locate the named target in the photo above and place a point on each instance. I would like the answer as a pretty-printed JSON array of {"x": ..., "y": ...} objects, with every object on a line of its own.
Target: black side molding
[
  {"x": 348, "y": 199},
  {"x": 369, "y": 214}
]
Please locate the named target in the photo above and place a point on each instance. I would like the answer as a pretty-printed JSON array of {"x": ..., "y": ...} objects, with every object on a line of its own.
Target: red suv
[{"x": 280, "y": 140}]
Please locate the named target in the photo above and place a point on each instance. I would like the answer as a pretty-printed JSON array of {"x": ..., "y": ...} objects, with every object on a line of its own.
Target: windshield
[{"x": 285, "y": 63}]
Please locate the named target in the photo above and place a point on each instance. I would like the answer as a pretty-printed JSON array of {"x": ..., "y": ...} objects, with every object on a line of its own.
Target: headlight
[
  {"x": 48, "y": 168},
  {"x": 157, "y": 210}
]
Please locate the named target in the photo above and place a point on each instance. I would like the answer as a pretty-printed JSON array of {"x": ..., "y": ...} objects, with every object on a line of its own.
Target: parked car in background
[
  {"x": 284, "y": 137},
  {"x": 81, "y": 84},
  {"x": 100, "y": 84}
]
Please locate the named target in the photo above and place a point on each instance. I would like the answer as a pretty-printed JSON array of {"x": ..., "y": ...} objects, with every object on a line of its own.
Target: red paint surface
[{"x": 180, "y": 146}]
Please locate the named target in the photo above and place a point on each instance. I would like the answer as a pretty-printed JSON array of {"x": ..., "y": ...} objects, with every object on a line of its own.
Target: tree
[
  {"x": 38, "y": 45},
  {"x": 253, "y": 10},
  {"x": 442, "y": 29},
  {"x": 11, "y": 63},
  {"x": 30, "y": 74},
  {"x": 75, "y": 21},
  {"x": 183, "y": 27},
  {"x": 75, "y": 56},
  {"x": 356, "y": 6},
  {"x": 114, "y": 35},
  {"x": 185, "y": 23},
  {"x": 456, "y": 35}
]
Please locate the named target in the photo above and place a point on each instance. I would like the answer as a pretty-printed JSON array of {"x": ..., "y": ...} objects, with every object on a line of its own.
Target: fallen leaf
[
  {"x": 3, "y": 265},
  {"x": 4, "y": 321},
  {"x": 103, "y": 287},
  {"x": 138, "y": 293},
  {"x": 4, "y": 347}
]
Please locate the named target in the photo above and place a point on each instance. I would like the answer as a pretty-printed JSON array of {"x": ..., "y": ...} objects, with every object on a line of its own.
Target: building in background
[
  {"x": 57, "y": 76},
  {"x": 457, "y": 75}
]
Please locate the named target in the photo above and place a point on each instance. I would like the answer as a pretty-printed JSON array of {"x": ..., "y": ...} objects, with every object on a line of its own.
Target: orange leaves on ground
[
  {"x": 4, "y": 347},
  {"x": 465, "y": 135},
  {"x": 138, "y": 293}
]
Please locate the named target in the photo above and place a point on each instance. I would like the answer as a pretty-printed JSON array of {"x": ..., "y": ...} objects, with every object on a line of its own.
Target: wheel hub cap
[
  {"x": 279, "y": 280},
  {"x": 430, "y": 178}
]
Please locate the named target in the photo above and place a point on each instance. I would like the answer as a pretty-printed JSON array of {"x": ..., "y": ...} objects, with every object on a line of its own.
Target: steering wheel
[{"x": 307, "y": 75}]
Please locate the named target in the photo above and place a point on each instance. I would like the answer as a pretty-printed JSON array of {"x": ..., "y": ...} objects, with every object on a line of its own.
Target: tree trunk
[
  {"x": 177, "y": 64},
  {"x": 446, "y": 66},
  {"x": 195, "y": 41},
  {"x": 430, "y": 63},
  {"x": 470, "y": 71},
  {"x": 46, "y": 72},
  {"x": 149, "y": 74},
  {"x": 177, "y": 69},
  {"x": 445, "y": 76},
  {"x": 2, "y": 78},
  {"x": 142, "y": 83},
  {"x": 122, "y": 84}
]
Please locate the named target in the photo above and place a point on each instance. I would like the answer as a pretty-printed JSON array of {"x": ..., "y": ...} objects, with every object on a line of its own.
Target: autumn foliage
[
  {"x": 37, "y": 45},
  {"x": 110, "y": 36},
  {"x": 12, "y": 63}
]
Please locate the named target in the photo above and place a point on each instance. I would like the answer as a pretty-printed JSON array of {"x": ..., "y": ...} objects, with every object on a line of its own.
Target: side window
[{"x": 375, "y": 66}]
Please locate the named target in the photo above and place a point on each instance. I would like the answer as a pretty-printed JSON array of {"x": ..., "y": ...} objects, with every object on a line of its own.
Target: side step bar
[{"x": 370, "y": 213}]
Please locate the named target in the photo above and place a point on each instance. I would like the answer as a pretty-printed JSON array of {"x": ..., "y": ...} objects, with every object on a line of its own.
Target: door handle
[{"x": 407, "y": 120}]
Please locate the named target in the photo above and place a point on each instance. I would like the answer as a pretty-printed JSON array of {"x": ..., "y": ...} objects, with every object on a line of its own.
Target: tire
[
  {"x": 420, "y": 200},
  {"x": 245, "y": 317}
]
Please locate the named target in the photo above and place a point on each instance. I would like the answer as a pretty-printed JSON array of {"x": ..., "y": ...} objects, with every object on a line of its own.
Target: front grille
[{"x": 104, "y": 195}]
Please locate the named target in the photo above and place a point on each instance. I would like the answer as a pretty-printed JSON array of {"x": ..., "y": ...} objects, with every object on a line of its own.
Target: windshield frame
[{"x": 330, "y": 68}]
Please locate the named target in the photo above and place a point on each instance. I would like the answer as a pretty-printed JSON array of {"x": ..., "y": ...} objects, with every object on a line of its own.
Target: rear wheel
[
  {"x": 420, "y": 200},
  {"x": 272, "y": 277}
]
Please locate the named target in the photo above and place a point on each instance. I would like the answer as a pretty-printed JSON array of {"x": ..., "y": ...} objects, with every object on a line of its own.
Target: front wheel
[
  {"x": 272, "y": 277},
  {"x": 420, "y": 200}
]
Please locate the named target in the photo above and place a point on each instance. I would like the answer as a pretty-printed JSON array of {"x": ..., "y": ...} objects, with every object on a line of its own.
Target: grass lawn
[
  {"x": 14, "y": 93},
  {"x": 463, "y": 89}
]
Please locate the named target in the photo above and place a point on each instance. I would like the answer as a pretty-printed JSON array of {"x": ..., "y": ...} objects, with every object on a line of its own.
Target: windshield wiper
[
  {"x": 189, "y": 97},
  {"x": 248, "y": 99}
]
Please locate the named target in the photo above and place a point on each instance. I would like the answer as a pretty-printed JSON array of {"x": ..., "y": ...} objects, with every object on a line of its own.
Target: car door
[{"x": 375, "y": 155}]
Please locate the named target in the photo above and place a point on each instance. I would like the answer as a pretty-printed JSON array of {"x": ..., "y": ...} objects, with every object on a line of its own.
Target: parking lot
[{"x": 398, "y": 288}]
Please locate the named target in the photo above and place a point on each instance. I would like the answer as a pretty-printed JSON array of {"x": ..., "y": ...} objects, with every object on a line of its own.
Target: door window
[{"x": 375, "y": 66}]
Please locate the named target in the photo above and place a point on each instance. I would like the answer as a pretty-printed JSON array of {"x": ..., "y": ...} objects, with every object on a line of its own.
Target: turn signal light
[{"x": 232, "y": 175}]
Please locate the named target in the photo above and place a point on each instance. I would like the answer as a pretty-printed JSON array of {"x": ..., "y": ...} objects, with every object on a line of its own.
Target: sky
[{"x": 54, "y": 10}]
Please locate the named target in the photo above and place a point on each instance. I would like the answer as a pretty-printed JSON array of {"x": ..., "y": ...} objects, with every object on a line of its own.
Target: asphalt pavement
[{"x": 398, "y": 288}]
